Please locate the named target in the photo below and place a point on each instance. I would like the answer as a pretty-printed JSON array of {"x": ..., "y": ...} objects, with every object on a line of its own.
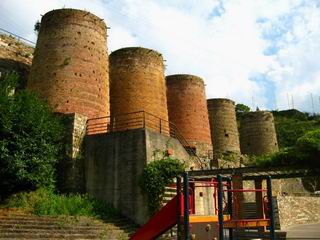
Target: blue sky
[{"x": 254, "y": 52}]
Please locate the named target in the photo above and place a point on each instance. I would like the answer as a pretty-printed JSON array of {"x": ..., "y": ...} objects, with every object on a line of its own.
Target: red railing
[
  {"x": 128, "y": 121},
  {"x": 136, "y": 120}
]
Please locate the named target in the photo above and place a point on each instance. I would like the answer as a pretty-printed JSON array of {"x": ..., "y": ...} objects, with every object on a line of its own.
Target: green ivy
[{"x": 156, "y": 176}]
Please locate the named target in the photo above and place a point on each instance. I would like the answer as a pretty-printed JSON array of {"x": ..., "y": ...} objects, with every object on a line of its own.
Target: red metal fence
[{"x": 136, "y": 120}]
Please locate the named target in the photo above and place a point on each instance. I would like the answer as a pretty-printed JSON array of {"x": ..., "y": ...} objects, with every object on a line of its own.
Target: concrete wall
[
  {"x": 114, "y": 163},
  {"x": 71, "y": 168},
  {"x": 298, "y": 210}
]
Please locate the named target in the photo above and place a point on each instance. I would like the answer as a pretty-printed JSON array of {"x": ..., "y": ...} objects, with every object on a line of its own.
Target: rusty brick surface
[
  {"x": 187, "y": 107},
  {"x": 223, "y": 125},
  {"x": 70, "y": 65},
  {"x": 137, "y": 82},
  {"x": 258, "y": 134}
]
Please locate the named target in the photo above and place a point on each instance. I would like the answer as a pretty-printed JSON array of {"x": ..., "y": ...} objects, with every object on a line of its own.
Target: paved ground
[{"x": 306, "y": 231}]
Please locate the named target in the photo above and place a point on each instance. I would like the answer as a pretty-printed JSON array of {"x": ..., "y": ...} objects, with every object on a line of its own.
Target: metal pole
[
  {"x": 186, "y": 205},
  {"x": 220, "y": 206},
  {"x": 229, "y": 181},
  {"x": 178, "y": 208},
  {"x": 271, "y": 213}
]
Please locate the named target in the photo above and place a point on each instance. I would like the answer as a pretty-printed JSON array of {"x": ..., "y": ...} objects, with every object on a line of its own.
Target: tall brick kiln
[
  {"x": 257, "y": 133},
  {"x": 223, "y": 125},
  {"x": 70, "y": 65},
  {"x": 187, "y": 109},
  {"x": 137, "y": 83}
]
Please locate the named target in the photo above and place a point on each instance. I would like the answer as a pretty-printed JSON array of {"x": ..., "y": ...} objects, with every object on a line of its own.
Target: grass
[{"x": 47, "y": 202}]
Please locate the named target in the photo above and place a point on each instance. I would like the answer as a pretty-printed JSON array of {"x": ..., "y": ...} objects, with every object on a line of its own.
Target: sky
[{"x": 263, "y": 53}]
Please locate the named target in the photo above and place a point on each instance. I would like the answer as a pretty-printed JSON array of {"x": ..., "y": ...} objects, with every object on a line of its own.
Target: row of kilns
[
  {"x": 70, "y": 70},
  {"x": 257, "y": 131}
]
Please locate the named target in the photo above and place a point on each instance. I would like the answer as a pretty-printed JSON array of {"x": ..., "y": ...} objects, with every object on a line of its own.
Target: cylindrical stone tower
[
  {"x": 137, "y": 83},
  {"x": 70, "y": 65},
  {"x": 223, "y": 125},
  {"x": 257, "y": 133},
  {"x": 188, "y": 110}
]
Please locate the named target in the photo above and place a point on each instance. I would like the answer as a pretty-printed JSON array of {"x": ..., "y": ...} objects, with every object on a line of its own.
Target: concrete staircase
[{"x": 18, "y": 225}]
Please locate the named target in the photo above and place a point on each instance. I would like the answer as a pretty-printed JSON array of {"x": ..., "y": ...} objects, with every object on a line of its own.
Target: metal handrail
[{"x": 108, "y": 124}]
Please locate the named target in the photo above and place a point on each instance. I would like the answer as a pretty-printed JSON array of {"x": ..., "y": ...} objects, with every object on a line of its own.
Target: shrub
[
  {"x": 45, "y": 202},
  {"x": 156, "y": 176},
  {"x": 305, "y": 153},
  {"x": 30, "y": 140}
]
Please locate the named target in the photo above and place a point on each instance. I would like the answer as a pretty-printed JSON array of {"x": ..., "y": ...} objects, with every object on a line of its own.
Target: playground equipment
[{"x": 225, "y": 221}]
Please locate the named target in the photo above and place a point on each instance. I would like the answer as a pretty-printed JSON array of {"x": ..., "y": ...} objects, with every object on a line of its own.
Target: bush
[
  {"x": 308, "y": 148},
  {"x": 45, "y": 202},
  {"x": 30, "y": 140},
  {"x": 156, "y": 176},
  {"x": 304, "y": 153}
]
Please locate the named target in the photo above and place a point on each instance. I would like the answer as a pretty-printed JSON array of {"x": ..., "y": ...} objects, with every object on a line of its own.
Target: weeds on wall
[{"x": 156, "y": 176}]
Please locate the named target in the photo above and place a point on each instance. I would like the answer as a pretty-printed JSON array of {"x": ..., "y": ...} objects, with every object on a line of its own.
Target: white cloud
[{"x": 224, "y": 42}]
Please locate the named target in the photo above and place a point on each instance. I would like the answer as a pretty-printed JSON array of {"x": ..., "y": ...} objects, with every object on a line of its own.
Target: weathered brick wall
[
  {"x": 298, "y": 210},
  {"x": 257, "y": 133},
  {"x": 223, "y": 125},
  {"x": 137, "y": 82},
  {"x": 70, "y": 65},
  {"x": 187, "y": 107}
]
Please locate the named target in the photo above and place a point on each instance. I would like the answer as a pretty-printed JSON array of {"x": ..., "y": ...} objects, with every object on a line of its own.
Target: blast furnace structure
[
  {"x": 223, "y": 125},
  {"x": 258, "y": 134},
  {"x": 70, "y": 65},
  {"x": 188, "y": 110},
  {"x": 137, "y": 84}
]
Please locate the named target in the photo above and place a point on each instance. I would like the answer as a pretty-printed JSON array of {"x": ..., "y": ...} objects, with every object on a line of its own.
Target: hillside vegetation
[{"x": 298, "y": 136}]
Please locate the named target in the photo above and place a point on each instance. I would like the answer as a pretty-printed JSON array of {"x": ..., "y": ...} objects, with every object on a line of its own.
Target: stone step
[
  {"x": 18, "y": 225},
  {"x": 59, "y": 236}
]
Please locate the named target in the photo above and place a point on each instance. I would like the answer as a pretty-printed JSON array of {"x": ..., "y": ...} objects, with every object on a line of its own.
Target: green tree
[
  {"x": 241, "y": 109},
  {"x": 292, "y": 124},
  {"x": 37, "y": 26},
  {"x": 30, "y": 140},
  {"x": 304, "y": 153}
]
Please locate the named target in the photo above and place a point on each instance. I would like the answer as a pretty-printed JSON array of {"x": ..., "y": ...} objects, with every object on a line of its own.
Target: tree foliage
[
  {"x": 292, "y": 124},
  {"x": 241, "y": 109},
  {"x": 156, "y": 176},
  {"x": 30, "y": 140},
  {"x": 305, "y": 152}
]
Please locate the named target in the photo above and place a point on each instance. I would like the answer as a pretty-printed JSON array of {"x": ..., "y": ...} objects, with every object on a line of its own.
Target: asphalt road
[{"x": 305, "y": 231}]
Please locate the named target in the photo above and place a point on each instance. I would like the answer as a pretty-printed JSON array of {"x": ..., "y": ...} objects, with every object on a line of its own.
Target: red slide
[{"x": 162, "y": 221}]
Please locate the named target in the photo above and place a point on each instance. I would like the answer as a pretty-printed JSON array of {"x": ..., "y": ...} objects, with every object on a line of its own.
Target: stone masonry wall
[
  {"x": 15, "y": 56},
  {"x": 298, "y": 210},
  {"x": 257, "y": 133},
  {"x": 137, "y": 83},
  {"x": 70, "y": 65}
]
